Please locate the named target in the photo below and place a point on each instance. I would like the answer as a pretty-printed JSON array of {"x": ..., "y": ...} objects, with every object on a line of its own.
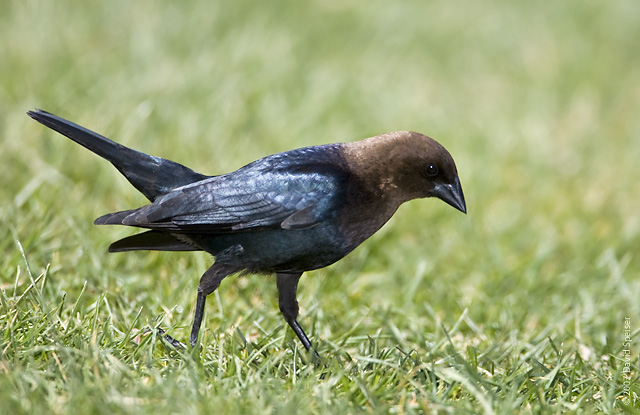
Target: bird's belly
[{"x": 278, "y": 250}]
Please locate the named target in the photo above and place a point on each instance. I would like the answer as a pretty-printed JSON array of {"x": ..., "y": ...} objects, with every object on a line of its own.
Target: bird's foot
[{"x": 162, "y": 334}]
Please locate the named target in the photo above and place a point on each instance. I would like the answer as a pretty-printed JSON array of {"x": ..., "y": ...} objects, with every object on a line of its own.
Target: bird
[{"x": 284, "y": 214}]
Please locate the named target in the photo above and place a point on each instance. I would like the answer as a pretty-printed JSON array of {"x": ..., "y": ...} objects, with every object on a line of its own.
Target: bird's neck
[{"x": 376, "y": 162}]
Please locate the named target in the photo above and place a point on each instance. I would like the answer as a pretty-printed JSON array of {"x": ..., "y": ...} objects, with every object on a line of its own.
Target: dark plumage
[{"x": 287, "y": 213}]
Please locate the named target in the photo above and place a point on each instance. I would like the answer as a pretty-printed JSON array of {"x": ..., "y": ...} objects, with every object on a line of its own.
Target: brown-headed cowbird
[{"x": 286, "y": 214}]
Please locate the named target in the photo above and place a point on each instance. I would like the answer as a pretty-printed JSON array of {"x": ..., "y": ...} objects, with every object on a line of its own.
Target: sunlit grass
[{"x": 518, "y": 307}]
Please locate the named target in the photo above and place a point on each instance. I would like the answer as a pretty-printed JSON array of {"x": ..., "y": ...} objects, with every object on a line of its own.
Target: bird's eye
[{"x": 431, "y": 170}]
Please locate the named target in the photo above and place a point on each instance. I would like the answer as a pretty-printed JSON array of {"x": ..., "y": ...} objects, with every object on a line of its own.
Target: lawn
[{"x": 528, "y": 304}]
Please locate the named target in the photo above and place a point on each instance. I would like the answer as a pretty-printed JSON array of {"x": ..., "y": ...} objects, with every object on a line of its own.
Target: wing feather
[{"x": 248, "y": 198}]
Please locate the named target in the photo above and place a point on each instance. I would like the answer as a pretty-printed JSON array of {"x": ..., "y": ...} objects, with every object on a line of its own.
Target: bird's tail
[{"x": 152, "y": 176}]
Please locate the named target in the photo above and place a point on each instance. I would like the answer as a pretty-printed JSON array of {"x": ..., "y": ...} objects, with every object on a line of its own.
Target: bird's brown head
[{"x": 407, "y": 165}]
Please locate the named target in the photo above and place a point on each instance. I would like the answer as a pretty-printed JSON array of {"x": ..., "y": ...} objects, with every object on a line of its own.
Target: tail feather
[
  {"x": 152, "y": 176},
  {"x": 151, "y": 241}
]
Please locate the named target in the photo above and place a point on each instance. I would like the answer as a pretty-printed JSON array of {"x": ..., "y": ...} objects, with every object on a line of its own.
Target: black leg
[
  {"x": 208, "y": 283},
  {"x": 287, "y": 289},
  {"x": 175, "y": 343}
]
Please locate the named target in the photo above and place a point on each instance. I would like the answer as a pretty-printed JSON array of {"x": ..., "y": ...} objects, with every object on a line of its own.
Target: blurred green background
[{"x": 518, "y": 307}]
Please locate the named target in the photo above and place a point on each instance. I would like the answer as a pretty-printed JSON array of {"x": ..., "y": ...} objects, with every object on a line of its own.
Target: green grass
[{"x": 518, "y": 307}]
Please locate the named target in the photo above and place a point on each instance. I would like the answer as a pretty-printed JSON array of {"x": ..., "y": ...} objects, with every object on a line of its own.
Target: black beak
[{"x": 452, "y": 195}]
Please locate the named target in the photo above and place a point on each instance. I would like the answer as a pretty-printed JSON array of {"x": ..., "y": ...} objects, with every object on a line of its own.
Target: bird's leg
[
  {"x": 208, "y": 283},
  {"x": 287, "y": 289},
  {"x": 173, "y": 342}
]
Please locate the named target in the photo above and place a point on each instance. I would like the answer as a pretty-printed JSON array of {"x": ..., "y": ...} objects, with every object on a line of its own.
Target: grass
[{"x": 519, "y": 307}]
